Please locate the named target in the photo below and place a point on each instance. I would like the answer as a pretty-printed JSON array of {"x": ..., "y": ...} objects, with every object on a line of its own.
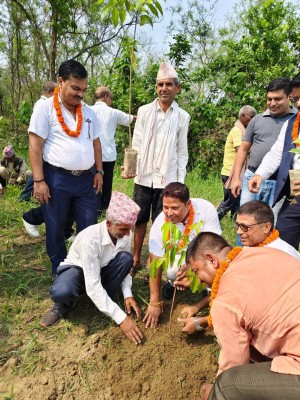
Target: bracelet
[
  {"x": 39, "y": 180},
  {"x": 198, "y": 327},
  {"x": 159, "y": 303}
]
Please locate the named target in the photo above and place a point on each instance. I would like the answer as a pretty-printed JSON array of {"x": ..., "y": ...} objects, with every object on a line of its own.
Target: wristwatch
[
  {"x": 100, "y": 171},
  {"x": 198, "y": 327}
]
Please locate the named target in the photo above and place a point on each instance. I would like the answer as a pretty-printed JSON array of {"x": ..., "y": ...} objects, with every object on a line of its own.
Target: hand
[
  {"x": 189, "y": 311},
  {"x": 189, "y": 326},
  {"x": 181, "y": 282},
  {"x": 131, "y": 330},
  {"x": 152, "y": 315},
  {"x": 296, "y": 187},
  {"x": 206, "y": 389},
  {"x": 41, "y": 192},
  {"x": 255, "y": 183},
  {"x": 98, "y": 182},
  {"x": 236, "y": 187},
  {"x": 131, "y": 303}
]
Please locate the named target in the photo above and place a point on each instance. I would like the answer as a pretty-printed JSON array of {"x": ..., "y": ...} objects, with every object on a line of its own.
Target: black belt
[
  {"x": 75, "y": 172},
  {"x": 252, "y": 169}
]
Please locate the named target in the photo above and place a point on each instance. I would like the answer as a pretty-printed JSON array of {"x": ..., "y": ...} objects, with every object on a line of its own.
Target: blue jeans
[
  {"x": 67, "y": 192},
  {"x": 265, "y": 194},
  {"x": 69, "y": 284}
]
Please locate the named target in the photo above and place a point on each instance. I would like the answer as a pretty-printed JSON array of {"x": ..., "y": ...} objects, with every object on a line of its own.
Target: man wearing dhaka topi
[
  {"x": 160, "y": 139},
  {"x": 98, "y": 264},
  {"x": 255, "y": 314},
  {"x": 64, "y": 145}
]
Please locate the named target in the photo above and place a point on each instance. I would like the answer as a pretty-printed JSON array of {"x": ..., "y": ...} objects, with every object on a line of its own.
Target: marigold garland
[
  {"x": 187, "y": 229},
  {"x": 60, "y": 117},
  {"x": 273, "y": 236},
  {"x": 295, "y": 132},
  {"x": 225, "y": 264},
  {"x": 215, "y": 285}
]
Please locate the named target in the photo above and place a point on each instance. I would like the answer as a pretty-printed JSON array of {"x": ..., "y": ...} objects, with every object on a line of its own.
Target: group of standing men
[
  {"x": 66, "y": 159},
  {"x": 263, "y": 149}
]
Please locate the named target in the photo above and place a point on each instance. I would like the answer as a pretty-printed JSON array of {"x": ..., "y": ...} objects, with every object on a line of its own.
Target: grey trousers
[{"x": 255, "y": 382}]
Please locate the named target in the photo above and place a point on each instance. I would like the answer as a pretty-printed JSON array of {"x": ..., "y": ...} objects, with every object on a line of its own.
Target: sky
[{"x": 223, "y": 9}]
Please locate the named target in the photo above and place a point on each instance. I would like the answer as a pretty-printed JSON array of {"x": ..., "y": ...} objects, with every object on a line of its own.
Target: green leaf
[
  {"x": 115, "y": 17},
  {"x": 155, "y": 265},
  {"x": 153, "y": 9},
  {"x": 159, "y": 7},
  {"x": 175, "y": 232},
  {"x": 146, "y": 19},
  {"x": 165, "y": 231},
  {"x": 122, "y": 16},
  {"x": 182, "y": 258},
  {"x": 296, "y": 151},
  {"x": 172, "y": 255}
]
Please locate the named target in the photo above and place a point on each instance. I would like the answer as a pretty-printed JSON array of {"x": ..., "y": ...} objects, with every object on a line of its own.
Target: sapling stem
[{"x": 171, "y": 311}]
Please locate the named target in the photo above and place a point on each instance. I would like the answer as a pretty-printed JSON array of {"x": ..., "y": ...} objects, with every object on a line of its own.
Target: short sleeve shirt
[
  {"x": 204, "y": 211},
  {"x": 61, "y": 150}
]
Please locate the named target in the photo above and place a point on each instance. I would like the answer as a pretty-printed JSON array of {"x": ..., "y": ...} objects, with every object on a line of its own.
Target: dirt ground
[{"x": 69, "y": 361}]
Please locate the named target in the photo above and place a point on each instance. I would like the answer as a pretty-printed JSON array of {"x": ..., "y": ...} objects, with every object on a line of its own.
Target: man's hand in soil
[
  {"x": 189, "y": 326},
  {"x": 131, "y": 330},
  {"x": 130, "y": 304},
  {"x": 152, "y": 316},
  {"x": 181, "y": 282},
  {"x": 189, "y": 311}
]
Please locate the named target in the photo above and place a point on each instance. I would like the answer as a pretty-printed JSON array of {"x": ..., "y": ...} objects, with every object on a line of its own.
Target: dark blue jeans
[
  {"x": 27, "y": 192},
  {"x": 67, "y": 191},
  {"x": 69, "y": 284}
]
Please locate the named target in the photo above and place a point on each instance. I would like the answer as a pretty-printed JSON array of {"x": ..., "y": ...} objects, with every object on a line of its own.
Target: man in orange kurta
[{"x": 256, "y": 310}]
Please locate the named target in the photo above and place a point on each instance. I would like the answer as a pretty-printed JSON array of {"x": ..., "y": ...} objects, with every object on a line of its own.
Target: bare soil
[{"x": 87, "y": 356}]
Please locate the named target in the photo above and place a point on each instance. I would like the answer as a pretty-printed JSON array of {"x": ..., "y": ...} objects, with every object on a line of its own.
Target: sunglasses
[{"x": 245, "y": 228}]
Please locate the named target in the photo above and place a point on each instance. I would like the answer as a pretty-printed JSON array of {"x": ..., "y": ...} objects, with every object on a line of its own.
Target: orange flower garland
[
  {"x": 223, "y": 266},
  {"x": 60, "y": 117},
  {"x": 295, "y": 132},
  {"x": 273, "y": 236},
  {"x": 187, "y": 229}
]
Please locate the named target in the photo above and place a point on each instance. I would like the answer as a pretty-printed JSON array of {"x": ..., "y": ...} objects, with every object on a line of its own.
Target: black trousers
[
  {"x": 229, "y": 203},
  {"x": 288, "y": 222},
  {"x": 103, "y": 198}
]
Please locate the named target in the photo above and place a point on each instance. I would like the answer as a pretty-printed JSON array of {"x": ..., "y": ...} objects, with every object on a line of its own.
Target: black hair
[
  {"x": 72, "y": 68},
  {"x": 177, "y": 190},
  {"x": 280, "y": 84},
  {"x": 260, "y": 211}
]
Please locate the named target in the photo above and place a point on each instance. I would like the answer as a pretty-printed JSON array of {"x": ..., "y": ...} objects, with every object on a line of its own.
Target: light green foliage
[
  {"x": 175, "y": 243},
  {"x": 144, "y": 10},
  {"x": 297, "y": 149}
]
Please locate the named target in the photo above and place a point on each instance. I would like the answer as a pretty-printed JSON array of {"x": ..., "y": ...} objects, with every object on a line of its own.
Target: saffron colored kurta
[{"x": 258, "y": 304}]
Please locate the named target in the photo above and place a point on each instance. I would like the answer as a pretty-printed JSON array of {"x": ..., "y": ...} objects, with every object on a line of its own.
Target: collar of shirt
[
  {"x": 292, "y": 111},
  {"x": 158, "y": 107},
  {"x": 101, "y": 103}
]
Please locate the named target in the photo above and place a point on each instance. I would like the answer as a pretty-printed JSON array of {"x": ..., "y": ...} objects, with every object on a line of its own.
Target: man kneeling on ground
[
  {"x": 255, "y": 313},
  {"x": 182, "y": 211},
  {"x": 98, "y": 264},
  {"x": 255, "y": 225}
]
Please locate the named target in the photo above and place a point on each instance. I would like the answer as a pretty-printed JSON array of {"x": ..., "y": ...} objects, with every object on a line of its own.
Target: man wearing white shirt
[
  {"x": 160, "y": 138},
  {"x": 63, "y": 147},
  {"x": 184, "y": 212},
  {"x": 98, "y": 264},
  {"x": 280, "y": 158},
  {"x": 109, "y": 118}
]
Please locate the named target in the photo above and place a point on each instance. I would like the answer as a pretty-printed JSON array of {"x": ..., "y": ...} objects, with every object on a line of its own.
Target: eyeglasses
[
  {"x": 245, "y": 228},
  {"x": 295, "y": 99}
]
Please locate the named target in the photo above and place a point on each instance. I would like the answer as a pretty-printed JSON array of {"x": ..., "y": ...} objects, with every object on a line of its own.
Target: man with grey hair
[
  {"x": 160, "y": 139},
  {"x": 98, "y": 264},
  {"x": 233, "y": 142},
  {"x": 109, "y": 118}
]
